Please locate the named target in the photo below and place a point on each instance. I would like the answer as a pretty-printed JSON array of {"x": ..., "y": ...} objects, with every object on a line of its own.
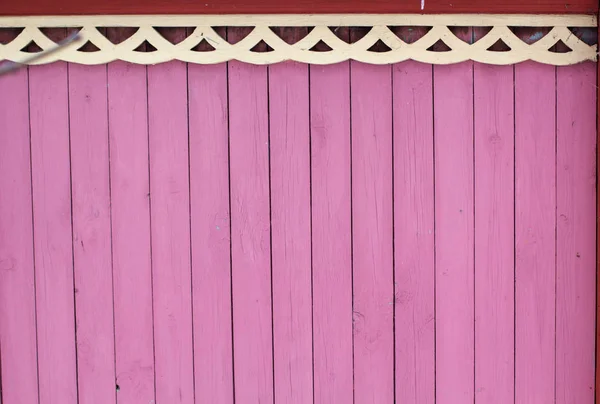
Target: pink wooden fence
[{"x": 295, "y": 234}]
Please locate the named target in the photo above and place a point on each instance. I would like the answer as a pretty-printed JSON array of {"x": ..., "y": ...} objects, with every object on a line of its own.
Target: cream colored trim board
[
  {"x": 301, "y": 50},
  {"x": 304, "y": 20}
]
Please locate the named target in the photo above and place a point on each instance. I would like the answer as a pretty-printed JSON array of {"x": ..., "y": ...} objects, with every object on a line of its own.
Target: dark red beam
[{"x": 82, "y": 7}]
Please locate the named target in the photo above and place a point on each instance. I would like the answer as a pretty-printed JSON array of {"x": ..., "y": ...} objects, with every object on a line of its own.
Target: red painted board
[{"x": 74, "y": 7}]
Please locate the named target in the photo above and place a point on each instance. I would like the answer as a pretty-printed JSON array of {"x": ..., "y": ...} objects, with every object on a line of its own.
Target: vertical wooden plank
[
  {"x": 170, "y": 222},
  {"x": 331, "y": 233},
  {"x": 454, "y": 210},
  {"x": 535, "y": 205},
  {"x": 290, "y": 206},
  {"x": 128, "y": 130},
  {"x": 48, "y": 87},
  {"x": 91, "y": 233},
  {"x": 372, "y": 242},
  {"x": 575, "y": 254},
  {"x": 414, "y": 233},
  {"x": 597, "y": 323},
  {"x": 211, "y": 267},
  {"x": 494, "y": 234},
  {"x": 250, "y": 232},
  {"x": 17, "y": 276}
]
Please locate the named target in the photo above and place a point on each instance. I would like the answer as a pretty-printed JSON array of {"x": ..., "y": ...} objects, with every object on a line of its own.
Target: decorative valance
[{"x": 386, "y": 38}]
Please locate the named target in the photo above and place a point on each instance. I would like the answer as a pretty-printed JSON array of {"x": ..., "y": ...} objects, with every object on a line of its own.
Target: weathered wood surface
[
  {"x": 298, "y": 233},
  {"x": 90, "y": 177},
  {"x": 131, "y": 245},
  {"x": 535, "y": 233},
  {"x": 18, "y": 345},
  {"x": 494, "y": 233}
]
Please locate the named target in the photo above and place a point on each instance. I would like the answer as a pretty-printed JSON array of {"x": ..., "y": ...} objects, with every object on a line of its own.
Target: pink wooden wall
[{"x": 291, "y": 234}]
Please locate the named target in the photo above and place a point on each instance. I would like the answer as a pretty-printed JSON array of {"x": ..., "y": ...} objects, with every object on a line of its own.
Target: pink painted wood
[
  {"x": 454, "y": 232},
  {"x": 18, "y": 345},
  {"x": 291, "y": 224},
  {"x": 51, "y": 180},
  {"x": 331, "y": 233},
  {"x": 494, "y": 233},
  {"x": 128, "y": 129},
  {"x": 535, "y": 205},
  {"x": 170, "y": 232},
  {"x": 250, "y": 233},
  {"x": 88, "y": 115},
  {"x": 414, "y": 233},
  {"x": 372, "y": 225},
  {"x": 575, "y": 233},
  {"x": 314, "y": 167},
  {"x": 211, "y": 266}
]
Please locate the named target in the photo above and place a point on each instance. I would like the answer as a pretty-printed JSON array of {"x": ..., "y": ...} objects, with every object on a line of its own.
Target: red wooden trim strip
[{"x": 78, "y": 7}]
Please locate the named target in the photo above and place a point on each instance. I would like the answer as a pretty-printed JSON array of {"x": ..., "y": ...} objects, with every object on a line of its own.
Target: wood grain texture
[
  {"x": 170, "y": 234},
  {"x": 414, "y": 233},
  {"x": 18, "y": 344},
  {"x": 130, "y": 192},
  {"x": 454, "y": 242},
  {"x": 319, "y": 161},
  {"x": 211, "y": 266},
  {"x": 331, "y": 233},
  {"x": 576, "y": 247},
  {"x": 535, "y": 205},
  {"x": 372, "y": 241},
  {"x": 291, "y": 210},
  {"x": 494, "y": 233},
  {"x": 88, "y": 116},
  {"x": 49, "y": 122},
  {"x": 250, "y": 231},
  {"x": 72, "y": 7}
]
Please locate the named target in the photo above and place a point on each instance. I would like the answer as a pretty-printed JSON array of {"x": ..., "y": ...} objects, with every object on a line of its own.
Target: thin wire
[{"x": 10, "y": 67}]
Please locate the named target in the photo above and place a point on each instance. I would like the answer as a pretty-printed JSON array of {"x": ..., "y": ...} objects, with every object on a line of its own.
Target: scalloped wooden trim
[{"x": 301, "y": 50}]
